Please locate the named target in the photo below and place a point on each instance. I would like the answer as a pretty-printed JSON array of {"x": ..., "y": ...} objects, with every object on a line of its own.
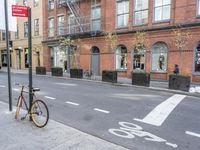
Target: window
[
  {"x": 51, "y": 4},
  {"x": 71, "y": 24},
  {"x": 17, "y": 33},
  {"x": 197, "y": 59},
  {"x": 122, "y": 13},
  {"x": 51, "y": 27},
  {"x": 96, "y": 18},
  {"x": 121, "y": 58},
  {"x": 162, "y": 10},
  {"x": 60, "y": 25},
  {"x": 139, "y": 59},
  {"x": 36, "y": 27},
  {"x": 25, "y": 3},
  {"x": 141, "y": 12},
  {"x": 3, "y": 35},
  {"x": 159, "y": 57},
  {"x": 26, "y": 57},
  {"x": 198, "y": 7},
  {"x": 25, "y": 29},
  {"x": 35, "y": 3}
]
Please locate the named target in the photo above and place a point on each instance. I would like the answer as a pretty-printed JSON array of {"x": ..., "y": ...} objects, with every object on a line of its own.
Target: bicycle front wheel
[{"x": 39, "y": 113}]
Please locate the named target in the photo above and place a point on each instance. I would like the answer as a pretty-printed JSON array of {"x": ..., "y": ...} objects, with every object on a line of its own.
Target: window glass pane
[
  {"x": 197, "y": 60},
  {"x": 158, "y": 14},
  {"x": 198, "y": 7},
  {"x": 145, "y": 4},
  {"x": 159, "y": 57},
  {"x": 126, "y": 7},
  {"x": 96, "y": 25},
  {"x": 121, "y": 57},
  {"x": 158, "y": 3},
  {"x": 166, "y": 12},
  {"x": 96, "y": 13},
  {"x": 144, "y": 17},
  {"x": 138, "y": 17},
  {"x": 138, "y": 5},
  {"x": 120, "y": 8},
  {"x": 166, "y": 2}
]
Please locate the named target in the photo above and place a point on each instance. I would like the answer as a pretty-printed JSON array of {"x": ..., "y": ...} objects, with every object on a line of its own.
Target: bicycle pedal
[{"x": 22, "y": 118}]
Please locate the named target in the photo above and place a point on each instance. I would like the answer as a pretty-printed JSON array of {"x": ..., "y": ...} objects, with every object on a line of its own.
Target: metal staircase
[{"x": 75, "y": 10}]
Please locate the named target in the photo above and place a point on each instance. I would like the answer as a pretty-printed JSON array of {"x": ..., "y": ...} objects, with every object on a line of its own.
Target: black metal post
[
  {"x": 8, "y": 55},
  {"x": 30, "y": 59}
]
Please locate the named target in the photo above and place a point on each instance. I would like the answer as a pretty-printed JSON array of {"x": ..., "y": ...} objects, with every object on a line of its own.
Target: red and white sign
[{"x": 19, "y": 11}]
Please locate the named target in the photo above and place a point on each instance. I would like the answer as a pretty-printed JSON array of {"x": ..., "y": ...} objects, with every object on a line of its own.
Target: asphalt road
[{"x": 112, "y": 112}]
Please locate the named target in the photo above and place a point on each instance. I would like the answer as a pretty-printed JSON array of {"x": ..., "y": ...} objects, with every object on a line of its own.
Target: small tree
[
  {"x": 181, "y": 39},
  {"x": 111, "y": 39},
  {"x": 140, "y": 40},
  {"x": 73, "y": 45}
]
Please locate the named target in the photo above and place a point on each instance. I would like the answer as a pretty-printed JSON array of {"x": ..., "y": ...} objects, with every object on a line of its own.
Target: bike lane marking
[
  {"x": 48, "y": 97},
  {"x": 72, "y": 103},
  {"x": 101, "y": 110},
  {"x": 159, "y": 114},
  {"x": 192, "y": 134}
]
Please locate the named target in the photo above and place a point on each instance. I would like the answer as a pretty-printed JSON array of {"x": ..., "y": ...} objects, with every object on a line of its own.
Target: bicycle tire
[{"x": 39, "y": 113}]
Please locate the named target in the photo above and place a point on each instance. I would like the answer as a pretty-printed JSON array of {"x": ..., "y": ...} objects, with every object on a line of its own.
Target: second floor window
[
  {"x": 3, "y": 35},
  {"x": 96, "y": 18},
  {"x": 162, "y": 10},
  {"x": 25, "y": 3},
  {"x": 17, "y": 32},
  {"x": 25, "y": 29},
  {"x": 60, "y": 25},
  {"x": 50, "y": 4},
  {"x": 36, "y": 27},
  {"x": 141, "y": 12},
  {"x": 51, "y": 27},
  {"x": 122, "y": 13},
  {"x": 35, "y": 3}
]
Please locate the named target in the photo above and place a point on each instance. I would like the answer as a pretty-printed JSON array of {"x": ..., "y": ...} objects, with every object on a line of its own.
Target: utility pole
[{"x": 8, "y": 55}]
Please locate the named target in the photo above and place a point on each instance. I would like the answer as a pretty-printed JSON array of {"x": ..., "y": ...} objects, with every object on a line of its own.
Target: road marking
[
  {"x": 72, "y": 103},
  {"x": 14, "y": 89},
  {"x": 192, "y": 134},
  {"x": 50, "y": 97},
  {"x": 67, "y": 84},
  {"x": 159, "y": 114},
  {"x": 101, "y": 110},
  {"x": 2, "y": 86},
  {"x": 172, "y": 145}
]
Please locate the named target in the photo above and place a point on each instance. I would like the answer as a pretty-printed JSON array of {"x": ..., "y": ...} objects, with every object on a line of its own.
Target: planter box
[
  {"x": 109, "y": 76},
  {"x": 57, "y": 71},
  {"x": 76, "y": 73},
  {"x": 178, "y": 82},
  {"x": 41, "y": 70},
  {"x": 141, "y": 79}
]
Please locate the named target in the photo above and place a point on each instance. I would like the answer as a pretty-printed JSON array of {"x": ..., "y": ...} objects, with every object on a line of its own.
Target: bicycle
[{"x": 38, "y": 113}]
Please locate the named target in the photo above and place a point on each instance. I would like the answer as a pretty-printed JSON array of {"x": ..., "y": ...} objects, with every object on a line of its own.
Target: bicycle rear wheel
[{"x": 39, "y": 113}]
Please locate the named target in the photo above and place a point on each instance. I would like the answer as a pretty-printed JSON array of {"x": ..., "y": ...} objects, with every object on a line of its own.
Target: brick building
[{"x": 19, "y": 51}]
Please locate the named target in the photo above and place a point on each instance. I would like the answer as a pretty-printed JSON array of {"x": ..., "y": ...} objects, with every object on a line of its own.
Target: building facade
[{"x": 19, "y": 39}]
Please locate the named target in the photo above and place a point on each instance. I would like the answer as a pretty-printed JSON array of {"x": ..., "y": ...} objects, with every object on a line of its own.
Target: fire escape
[{"x": 82, "y": 22}]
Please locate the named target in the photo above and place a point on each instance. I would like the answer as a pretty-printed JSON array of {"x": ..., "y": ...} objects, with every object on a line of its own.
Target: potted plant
[
  {"x": 179, "y": 81},
  {"x": 110, "y": 75},
  {"x": 40, "y": 70},
  {"x": 57, "y": 71},
  {"x": 140, "y": 77}
]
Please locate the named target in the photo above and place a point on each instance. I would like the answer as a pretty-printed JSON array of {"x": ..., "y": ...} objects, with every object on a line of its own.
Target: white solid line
[
  {"x": 72, "y": 103},
  {"x": 101, "y": 110},
  {"x": 192, "y": 134},
  {"x": 67, "y": 84},
  {"x": 3, "y": 86},
  {"x": 159, "y": 114},
  {"x": 50, "y": 97},
  {"x": 172, "y": 145},
  {"x": 14, "y": 89}
]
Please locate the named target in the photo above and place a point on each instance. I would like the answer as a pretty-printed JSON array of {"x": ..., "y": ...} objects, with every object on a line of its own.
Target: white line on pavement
[
  {"x": 67, "y": 84},
  {"x": 50, "y": 97},
  {"x": 2, "y": 86},
  {"x": 192, "y": 134},
  {"x": 172, "y": 145},
  {"x": 101, "y": 110},
  {"x": 14, "y": 89},
  {"x": 72, "y": 103},
  {"x": 159, "y": 114}
]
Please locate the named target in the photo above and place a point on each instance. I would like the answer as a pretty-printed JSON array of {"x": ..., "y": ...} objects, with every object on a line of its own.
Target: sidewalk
[
  {"x": 23, "y": 135},
  {"x": 122, "y": 81}
]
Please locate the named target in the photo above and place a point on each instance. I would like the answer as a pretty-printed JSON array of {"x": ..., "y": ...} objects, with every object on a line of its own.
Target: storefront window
[
  {"x": 121, "y": 58},
  {"x": 159, "y": 57},
  {"x": 197, "y": 59},
  {"x": 139, "y": 60}
]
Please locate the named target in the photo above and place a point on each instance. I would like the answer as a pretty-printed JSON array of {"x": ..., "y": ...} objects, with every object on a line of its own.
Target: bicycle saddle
[{"x": 36, "y": 89}]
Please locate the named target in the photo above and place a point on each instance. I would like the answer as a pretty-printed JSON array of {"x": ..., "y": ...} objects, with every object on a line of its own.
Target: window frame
[
  {"x": 36, "y": 26},
  {"x": 25, "y": 29},
  {"x": 122, "y": 14},
  {"x": 51, "y": 5},
  {"x": 17, "y": 32},
  {"x": 133, "y": 54},
  {"x": 121, "y": 69},
  {"x": 154, "y": 12},
  {"x": 96, "y": 19},
  {"x": 141, "y": 10},
  {"x": 3, "y": 35},
  {"x": 35, "y": 3},
  {"x": 60, "y": 33},
  {"x": 194, "y": 60},
  {"x": 198, "y": 8},
  {"x": 52, "y": 28}
]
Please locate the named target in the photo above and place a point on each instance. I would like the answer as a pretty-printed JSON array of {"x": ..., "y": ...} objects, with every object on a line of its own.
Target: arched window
[
  {"x": 159, "y": 57},
  {"x": 197, "y": 59},
  {"x": 139, "y": 59},
  {"x": 121, "y": 58}
]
